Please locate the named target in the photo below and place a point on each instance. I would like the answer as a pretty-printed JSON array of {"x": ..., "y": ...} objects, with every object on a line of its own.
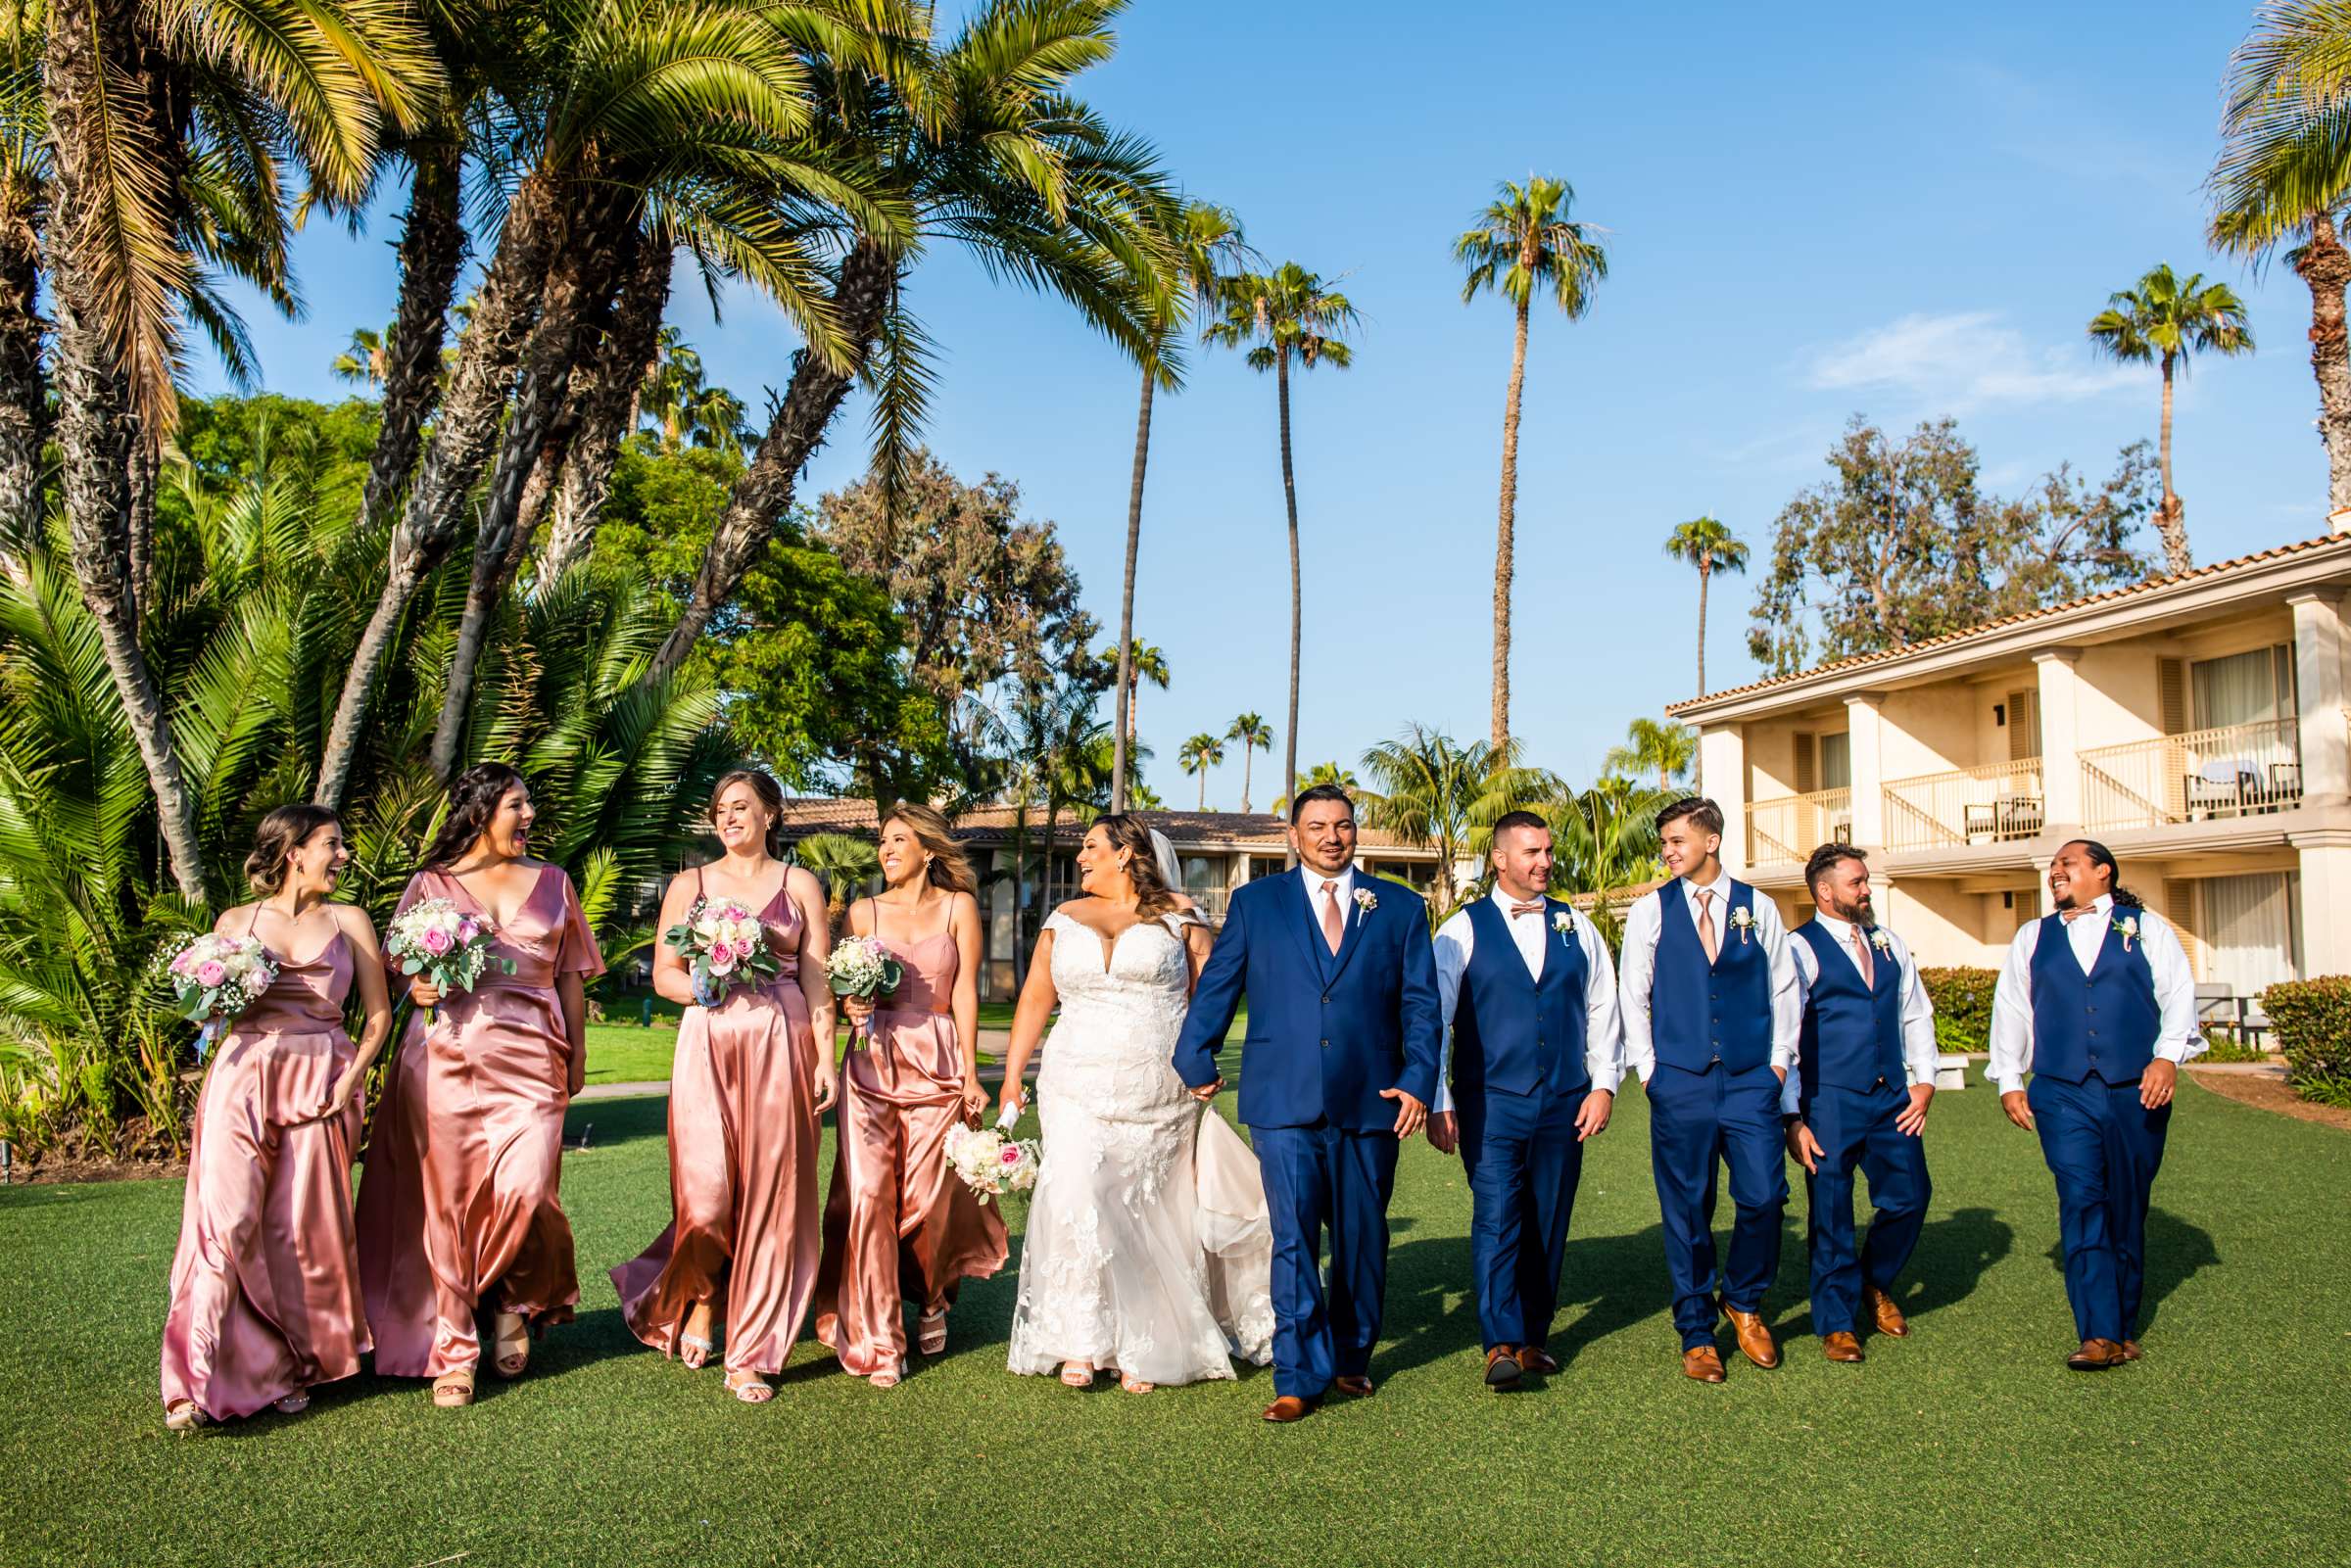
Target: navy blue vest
[
  {"x": 1511, "y": 1031},
  {"x": 1701, "y": 1014},
  {"x": 2106, "y": 1021},
  {"x": 1852, "y": 1032}
]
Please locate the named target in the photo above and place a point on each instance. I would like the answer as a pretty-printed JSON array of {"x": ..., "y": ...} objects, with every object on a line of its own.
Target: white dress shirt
[
  {"x": 1639, "y": 967},
  {"x": 1604, "y": 1035},
  {"x": 1314, "y": 900},
  {"x": 1918, "y": 1012},
  {"x": 2175, "y": 1039}
]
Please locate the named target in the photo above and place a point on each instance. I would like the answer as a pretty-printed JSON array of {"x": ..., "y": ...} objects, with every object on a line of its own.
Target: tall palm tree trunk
[
  {"x": 1248, "y": 760},
  {"x": 1706, "y": 574},
  {"x": 608, "y": 412},
  {"x": 2171, "y": 518},
  {"x": 1124, "y": 729},
  {"x": 1289, "y": 496},
  {"x": 94, "y": 429},
  {"x": 432, "y": 250},
  {"x": 23, "y": 389},
  {"x": 1204, "y": 786},
  {"x": 2325, "y": 267},
  {"x": 582, "y": 275},
  {"x": 463, "y": 438},
  {"x": 1506, "y": 539},
  {"x": 763, "y": 492}
]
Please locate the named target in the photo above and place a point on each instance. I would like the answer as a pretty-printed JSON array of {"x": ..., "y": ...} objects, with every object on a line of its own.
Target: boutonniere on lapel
[
  {"x": 1564, "y": 923},
  {"x": 1881, "y": 941},
  {"x": 2129, "y": 926},
  {"x": 1742, "y": 921},
  {"x": 1365, "y": 901}
]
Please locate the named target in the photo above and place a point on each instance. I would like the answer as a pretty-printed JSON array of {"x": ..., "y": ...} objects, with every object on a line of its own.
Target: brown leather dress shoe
[
  {"x": 1355, "y": 1388},
  {"x": 2131, "y": 1351},
  {"x": 1841, "y": 1345},
  {"x": 1289, "y": 1408},
  {"x": 1754, "y": 1340},
  {"x": 1502, "y": 1367},
  {"x": 1535, "y": 1360},
  {"x": 2096, "y": 1355},
  {"x": 1889, "y": 1317},
  {"x": 1702, "y": 1365}
]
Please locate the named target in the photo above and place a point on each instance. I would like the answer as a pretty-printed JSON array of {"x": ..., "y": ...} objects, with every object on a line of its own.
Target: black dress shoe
[{"x": 1502, "y": 1368}]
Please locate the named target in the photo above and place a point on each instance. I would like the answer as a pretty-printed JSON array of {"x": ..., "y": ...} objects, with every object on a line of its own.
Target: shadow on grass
[
  {"x": 1615, "y": 1280},
  {"x": 611, "y": 1122},
  {"x": 2176, "y": 1250},
  {"x": 1953, "y": 1255}
]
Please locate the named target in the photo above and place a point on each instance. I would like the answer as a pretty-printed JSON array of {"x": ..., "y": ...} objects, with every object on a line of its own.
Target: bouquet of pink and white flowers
[
  {"x": 725, "y": 946},
  {"x": 990, "y": 1164},
  {"x": 215, "y": 978},
  {"x": 448, "y": 946},
  {"x": 862, "y": 966}
]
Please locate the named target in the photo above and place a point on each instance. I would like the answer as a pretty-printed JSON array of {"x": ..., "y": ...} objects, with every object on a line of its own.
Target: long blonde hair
[{"x": 949, "y": 868}]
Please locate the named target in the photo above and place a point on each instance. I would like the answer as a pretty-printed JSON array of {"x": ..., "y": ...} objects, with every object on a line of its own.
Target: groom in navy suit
[{"x": 1338, "y": 1066}]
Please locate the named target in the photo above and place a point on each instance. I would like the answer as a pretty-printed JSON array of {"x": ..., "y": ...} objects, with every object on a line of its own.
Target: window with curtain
[
  {"x": 2247, "y": 926},
  {"x": 2252, "y": 688},
  {"x": 1836, "y": 761}
]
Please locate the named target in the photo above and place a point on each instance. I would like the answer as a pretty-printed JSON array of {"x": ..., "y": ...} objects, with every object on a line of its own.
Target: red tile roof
[
  {"x": 813, "y": 814},
  {"x": 2022, "y": 617}
]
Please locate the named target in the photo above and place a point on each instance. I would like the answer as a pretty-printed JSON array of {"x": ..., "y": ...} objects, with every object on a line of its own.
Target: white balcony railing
[
  {"x": 1789, "y": 828},
  {"x": 2227, "y": 772},
  {"x": 1998, "y": 802},
  {"x": 1209, "y": 903}
]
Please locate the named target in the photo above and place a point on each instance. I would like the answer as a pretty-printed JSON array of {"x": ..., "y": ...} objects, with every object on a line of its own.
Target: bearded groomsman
[
  {"x": 2096, "y": 1001},
  {"x": 1712, "y": 1010},
  {"x": 1526, "y": 987},
  {"x": 1865, "y": 1073}
]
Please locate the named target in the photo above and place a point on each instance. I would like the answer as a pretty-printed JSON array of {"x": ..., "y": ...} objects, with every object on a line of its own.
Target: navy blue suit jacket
[{"x": 1326, "y": 1033}]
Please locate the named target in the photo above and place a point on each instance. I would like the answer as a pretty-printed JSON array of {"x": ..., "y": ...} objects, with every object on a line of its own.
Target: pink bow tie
[{"x": 1535, "y": 908}]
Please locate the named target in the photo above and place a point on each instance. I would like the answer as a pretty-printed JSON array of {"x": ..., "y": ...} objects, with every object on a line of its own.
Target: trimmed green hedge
[
  {"x": 1962, "y": 999},
  {"x": 2313, "y": 1020}
]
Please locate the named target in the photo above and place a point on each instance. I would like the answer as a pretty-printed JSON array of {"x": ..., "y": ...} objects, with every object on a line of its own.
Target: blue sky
[{"x": 1906, "y": 211}]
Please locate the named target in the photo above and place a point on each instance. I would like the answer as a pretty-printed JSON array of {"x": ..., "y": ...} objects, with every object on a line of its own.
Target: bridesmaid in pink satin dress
[
  {"x": 266, "y": 1284},
  {"x": 458, "y": 1211},
  {"x": 899, "y": 1226},
  {"x": 746, "y": 1090}
]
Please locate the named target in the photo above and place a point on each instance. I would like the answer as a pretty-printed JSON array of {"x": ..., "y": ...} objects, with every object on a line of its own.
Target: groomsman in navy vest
[
  {"x": 1865, "y": 1074},
  {"x": 2096, "y": 1001},
  {"x": 1711, "y": 1010},
  {"x": 1526, "y": 986}
]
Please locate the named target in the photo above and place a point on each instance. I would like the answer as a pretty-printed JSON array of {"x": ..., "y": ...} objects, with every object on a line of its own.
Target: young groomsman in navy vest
[
  {"x": 1865, "y": 1073},
  {"x": 2097, "y": 1002},
  {"x": 1529, "y": 992},
  {"x": 1711, "y": 1014}
]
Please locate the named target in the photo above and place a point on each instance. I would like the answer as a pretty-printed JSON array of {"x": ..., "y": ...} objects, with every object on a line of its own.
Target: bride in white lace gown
[{"x": 1120, "y": 1268}]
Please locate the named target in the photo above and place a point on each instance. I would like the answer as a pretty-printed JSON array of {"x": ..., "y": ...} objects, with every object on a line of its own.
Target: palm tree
[
  {"x": 1208, "y": 244},
  {"x": 1197, "y": 755},
  {"x": 1606, "y": 841},
  {"x": 1321, "y": 773},
  {"x": 1288, "y": 314},
  {"x": 1663, "y": 748},
  {"x": 842, "y": 863},
  {"x": 1709, "y": 546},
  {"x": 1250, "y": 730},
  {"x": 1525, "y": 241},
  {"x": 2167, "y": 318},
  {"x": 1138, "y": 662},
  {"x": 2284, "y": 172},
  {"x": 1441, "y": 795},
  {"x": 364, "y": 362},
  {"x": 24, "y": 198}
]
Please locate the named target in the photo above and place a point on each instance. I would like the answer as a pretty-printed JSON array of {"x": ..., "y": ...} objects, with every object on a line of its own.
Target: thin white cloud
[{"x": 1965, "y": 361}]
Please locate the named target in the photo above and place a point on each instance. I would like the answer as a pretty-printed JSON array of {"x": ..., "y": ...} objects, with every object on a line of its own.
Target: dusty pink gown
[
  {"x": 743, "y": 1138},
  {"x": 458, "y": 1211},
  {"x": 898, "y": 1225},
  {"x": 266, "y": 1284}
]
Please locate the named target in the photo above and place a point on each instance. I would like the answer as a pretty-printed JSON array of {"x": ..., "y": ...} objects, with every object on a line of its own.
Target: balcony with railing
[
  {"x": 1996, "y": 803},
  {"x": 2233, "y": 771},
  {"x": 1786, "y": 829}
]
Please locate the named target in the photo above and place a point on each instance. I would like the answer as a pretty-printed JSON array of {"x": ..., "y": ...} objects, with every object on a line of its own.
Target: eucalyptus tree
[
  {"x": 1283, "y": 316},
  {"x": 985, "y": 146},
  {"x": 2167, "y": 318},
  {"x": 1524, "y": 243}
]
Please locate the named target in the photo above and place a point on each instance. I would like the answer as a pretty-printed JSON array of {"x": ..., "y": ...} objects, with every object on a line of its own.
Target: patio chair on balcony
[
  {"x": 2009, "y": 818},
  {"x": 2222, "y": 785}
]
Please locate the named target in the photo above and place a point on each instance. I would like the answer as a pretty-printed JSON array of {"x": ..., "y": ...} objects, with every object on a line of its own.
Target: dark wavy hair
[
  {"x": 771, "y": 796},
  {"x": 472, "y": 801},
  {"x": 1152, "y": 895},
  {"x": 280, "y": 834},
  {"x": 2100, "y": 855}
]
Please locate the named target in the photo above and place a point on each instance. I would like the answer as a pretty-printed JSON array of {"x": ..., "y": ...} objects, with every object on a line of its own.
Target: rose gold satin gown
[
  {"x": 458, "y": 1209},
  {"x": 266, "y": 1284},
  {"x": 899, "y": 1226},
  {"x": 743, "y": 1140}
]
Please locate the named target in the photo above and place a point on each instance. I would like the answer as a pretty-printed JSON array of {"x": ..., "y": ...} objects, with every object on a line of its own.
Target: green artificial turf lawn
[{"x": 1965, "y": 1443}]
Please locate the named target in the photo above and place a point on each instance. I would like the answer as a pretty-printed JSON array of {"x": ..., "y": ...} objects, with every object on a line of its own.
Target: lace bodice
[{"x": 1144, "y": 979}]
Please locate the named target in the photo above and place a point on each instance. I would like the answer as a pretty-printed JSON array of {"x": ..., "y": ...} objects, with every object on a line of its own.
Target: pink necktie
[
  {"x": 1334, "y": 925},
  {"x": 1706, "y": 923},
  {"x": 1861, "y": 957}
]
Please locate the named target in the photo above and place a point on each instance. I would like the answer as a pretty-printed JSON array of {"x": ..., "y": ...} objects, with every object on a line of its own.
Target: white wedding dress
[{"x": 1122, "y": 1266}]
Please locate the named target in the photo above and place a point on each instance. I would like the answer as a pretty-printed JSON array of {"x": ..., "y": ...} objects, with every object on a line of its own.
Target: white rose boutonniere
[
  {"x": 1366, "y": 900},
  {"x": 1564, "y": 923},
  {"x": 2129, "y": 926},
  {"x": 1881, "y": 941},
  {"x": 1742, "y": 921}
]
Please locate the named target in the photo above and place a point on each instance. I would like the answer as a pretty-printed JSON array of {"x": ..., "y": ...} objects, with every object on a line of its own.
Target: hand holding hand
[
  {"x": 1803, "y": 1148},
  {"x": 2155, "y": 1086},
  {"x": 1208, "y": 1091},
  {"x": 1911, "y": 1120},
  {"x": 1592, "y": 1120},
  {"x": 1410, "y": 1112},
  {"x": 2013, "y": 1102},
  {"x": 1444, "y": 1131}
]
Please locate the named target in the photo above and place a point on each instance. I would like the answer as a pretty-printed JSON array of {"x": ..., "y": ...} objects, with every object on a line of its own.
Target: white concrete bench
[{"x": 1950, "y": 1070}]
